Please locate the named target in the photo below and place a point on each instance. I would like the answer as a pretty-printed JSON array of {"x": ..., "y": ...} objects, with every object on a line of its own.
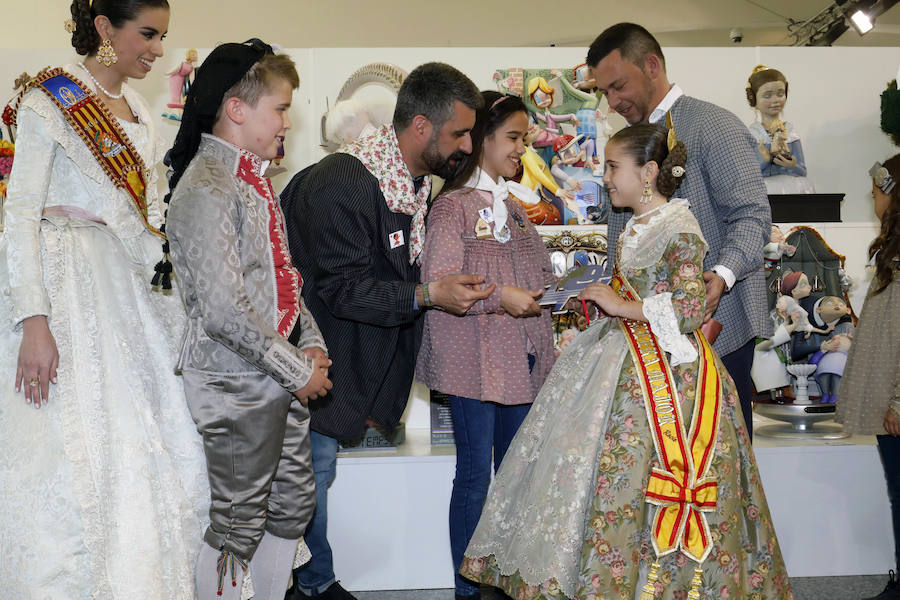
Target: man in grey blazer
[{"x": 723, "y": 184}]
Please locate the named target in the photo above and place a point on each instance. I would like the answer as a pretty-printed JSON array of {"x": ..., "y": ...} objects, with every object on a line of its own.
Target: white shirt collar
[{"x": 659, "y": 113}]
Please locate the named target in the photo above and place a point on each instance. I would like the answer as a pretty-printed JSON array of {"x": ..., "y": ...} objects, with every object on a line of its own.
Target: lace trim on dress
[
  {"x": 664, "y": 324},
  {"x": 62, "y": 134},
  {"x": 650, "y": 239}
]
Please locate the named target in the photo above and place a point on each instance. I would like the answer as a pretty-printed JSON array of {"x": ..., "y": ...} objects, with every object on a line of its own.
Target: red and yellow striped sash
[{"x": 680, "y": 488}]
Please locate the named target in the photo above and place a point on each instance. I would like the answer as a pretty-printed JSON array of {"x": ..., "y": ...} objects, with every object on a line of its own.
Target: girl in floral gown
[{"x": 591, "y": 502}]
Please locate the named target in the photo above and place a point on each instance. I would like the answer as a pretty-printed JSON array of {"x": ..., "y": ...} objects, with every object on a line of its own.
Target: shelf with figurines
[{"x": 796, "y": 373}]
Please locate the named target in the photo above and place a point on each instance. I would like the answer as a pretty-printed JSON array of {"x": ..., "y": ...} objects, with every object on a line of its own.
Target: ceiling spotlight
[{"x": 861, "y": 22}]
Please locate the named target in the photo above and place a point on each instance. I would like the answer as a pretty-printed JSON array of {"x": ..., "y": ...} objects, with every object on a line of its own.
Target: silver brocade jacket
[{"x": 219, "y": 225}]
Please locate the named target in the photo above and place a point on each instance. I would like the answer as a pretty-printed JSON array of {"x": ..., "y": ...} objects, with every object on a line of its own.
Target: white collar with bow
[{"x": 500, "y": 191}]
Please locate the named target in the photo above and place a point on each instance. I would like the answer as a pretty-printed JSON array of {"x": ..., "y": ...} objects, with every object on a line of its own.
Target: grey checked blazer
[{"x": 724, "y": 186}]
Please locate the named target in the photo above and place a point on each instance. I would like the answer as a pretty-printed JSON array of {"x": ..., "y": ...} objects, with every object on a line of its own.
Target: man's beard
[{"x": 445, "y": 168}]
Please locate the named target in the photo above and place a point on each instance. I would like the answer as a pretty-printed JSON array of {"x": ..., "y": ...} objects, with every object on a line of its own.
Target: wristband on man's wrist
[{"x": 426, "y": 299}]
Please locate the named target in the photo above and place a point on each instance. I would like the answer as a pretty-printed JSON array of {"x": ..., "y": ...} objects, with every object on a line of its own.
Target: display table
[
  {"x": 387, "y": 516},
  {"x": 388, "y": 511}
]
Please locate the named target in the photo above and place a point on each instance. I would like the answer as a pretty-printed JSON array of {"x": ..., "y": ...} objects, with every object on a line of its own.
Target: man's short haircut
[
  {"x": 261, "y": 78},
  {"x": 632, "y": 41},
  {"x": 431, "y": 90}
]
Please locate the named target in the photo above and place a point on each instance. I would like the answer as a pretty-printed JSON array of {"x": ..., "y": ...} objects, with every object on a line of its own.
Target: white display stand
[
  {"x": 829, "y": 503},
  {"x": 388, "y": 516},
  {"x": 388, "y": 511}
]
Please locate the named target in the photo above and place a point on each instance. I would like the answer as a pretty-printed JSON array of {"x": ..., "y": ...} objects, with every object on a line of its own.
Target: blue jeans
[
  {"x": 481, "y": 429},
  {"x": 317, "y": 575},
  {"x": 889, "y": 448}
]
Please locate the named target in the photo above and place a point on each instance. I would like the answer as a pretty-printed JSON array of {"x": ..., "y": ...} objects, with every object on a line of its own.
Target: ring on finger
[{"x": 33, "y": 382}]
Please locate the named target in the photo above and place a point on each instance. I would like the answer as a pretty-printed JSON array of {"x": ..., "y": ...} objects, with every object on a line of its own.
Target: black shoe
[
  {"x": 334, "y": 592},
  {"x": 891, "y": 590}
]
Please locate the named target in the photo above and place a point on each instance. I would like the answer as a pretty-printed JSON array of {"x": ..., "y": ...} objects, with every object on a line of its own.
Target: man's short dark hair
[
  {"x": 632, "y": 41},
  {"x": 431, "y": 90}
]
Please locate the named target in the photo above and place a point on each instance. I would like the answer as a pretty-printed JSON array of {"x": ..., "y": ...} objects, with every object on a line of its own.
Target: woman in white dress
[{"x": 102, "y": 489}]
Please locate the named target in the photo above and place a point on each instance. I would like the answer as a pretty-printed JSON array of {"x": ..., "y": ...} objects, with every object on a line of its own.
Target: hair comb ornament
[
  {"x": 70, "y": 25},
  {"x": 882, "y": 178},
  {"x": 677, "y": 171},
  {"x": 756, "y": 70},
  {"x": 671, "y": 140}
]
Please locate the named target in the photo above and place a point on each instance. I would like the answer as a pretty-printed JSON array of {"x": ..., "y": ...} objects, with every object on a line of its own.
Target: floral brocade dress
[{"x": 567, "y": 515}]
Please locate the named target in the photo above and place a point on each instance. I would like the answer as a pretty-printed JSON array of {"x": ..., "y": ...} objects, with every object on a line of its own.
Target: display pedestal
[
  {"x": 388, "y": 511},
  {"x": 388, "y": 516},
  {"x": 829, "y": 504}
]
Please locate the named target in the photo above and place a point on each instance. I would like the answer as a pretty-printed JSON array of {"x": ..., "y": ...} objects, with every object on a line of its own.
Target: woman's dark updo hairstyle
[
  {"x": 487, "y": 119},
  {"x": 647, "y": 142},
  {"x": 761, "y": 76},
  {"x": 85, "y": 38}
]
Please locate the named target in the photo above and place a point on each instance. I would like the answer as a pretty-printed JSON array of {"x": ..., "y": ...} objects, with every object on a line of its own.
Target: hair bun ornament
[
  {"x": 756, "y": 70},
  {"x": 882, "y": 178},
  {"x": 677, "y": 171},
  {"x": 70, "y": 25}
]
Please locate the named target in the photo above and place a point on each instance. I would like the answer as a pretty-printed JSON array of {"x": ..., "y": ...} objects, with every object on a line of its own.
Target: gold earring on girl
[{"x": 647, "y": 194}]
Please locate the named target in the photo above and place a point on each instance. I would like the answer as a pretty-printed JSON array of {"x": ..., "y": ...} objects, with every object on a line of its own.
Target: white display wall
[{"x": 833, "y": 100}]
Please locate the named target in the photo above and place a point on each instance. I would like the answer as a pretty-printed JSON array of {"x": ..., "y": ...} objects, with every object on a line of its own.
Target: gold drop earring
[
  {"x": 647, "y": 194},
  {"x": 106, "y": 55}
]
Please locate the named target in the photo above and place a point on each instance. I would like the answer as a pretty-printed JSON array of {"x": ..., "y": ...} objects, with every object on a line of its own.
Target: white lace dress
[{"x": 103, "y": 491}]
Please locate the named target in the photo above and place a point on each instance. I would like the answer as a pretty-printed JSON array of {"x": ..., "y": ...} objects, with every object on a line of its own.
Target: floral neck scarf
[{"x": 380, "y": 154}]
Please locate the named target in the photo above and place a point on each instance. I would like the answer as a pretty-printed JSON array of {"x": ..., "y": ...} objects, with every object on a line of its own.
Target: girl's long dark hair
[
  {"x": 887, "y": 244},
  {"x": 488, "y": 118}
]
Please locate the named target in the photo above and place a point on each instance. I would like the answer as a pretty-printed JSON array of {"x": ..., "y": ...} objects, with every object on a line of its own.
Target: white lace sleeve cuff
[{"x": 664, "y": 324}]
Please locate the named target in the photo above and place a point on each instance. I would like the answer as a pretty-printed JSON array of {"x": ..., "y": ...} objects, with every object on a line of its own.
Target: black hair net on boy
[{"x": 223, "y": 68}]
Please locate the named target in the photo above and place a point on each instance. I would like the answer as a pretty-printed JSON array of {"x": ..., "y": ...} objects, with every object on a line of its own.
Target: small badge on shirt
[
  {"x": 486, "y": 214},
  {"x": 482, "y": 230},
  {"x": 519, "y": 221},
  {"x": 396, "y": 239}
]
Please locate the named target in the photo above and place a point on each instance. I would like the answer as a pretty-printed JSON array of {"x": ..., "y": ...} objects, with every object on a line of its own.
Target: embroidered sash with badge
[
  {"x": 680, "y": 488},
  {"x": 100, "y": 131}
]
